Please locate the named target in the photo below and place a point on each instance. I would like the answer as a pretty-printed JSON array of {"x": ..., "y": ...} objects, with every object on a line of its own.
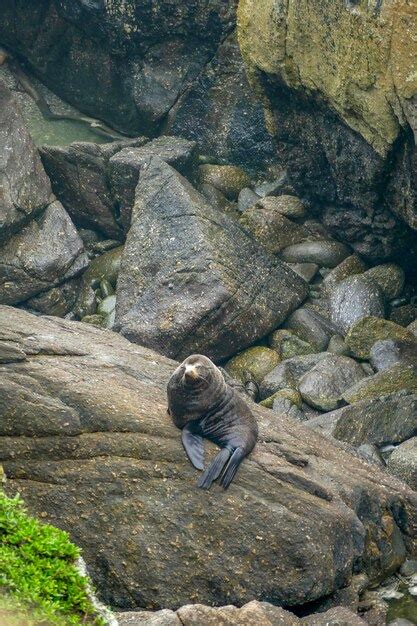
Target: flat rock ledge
[{"x": 85, "y": 438}]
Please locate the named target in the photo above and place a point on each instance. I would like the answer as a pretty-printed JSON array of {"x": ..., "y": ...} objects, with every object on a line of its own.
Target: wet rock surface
[
  {"x": 80, "y": 179},
  {"x": 403, "y": 462},
  {"x": 126, "y": 165},
  {"x": 101, "y": 429},
  {"x": 44, "y": 253},
  {"x": 388, "y": 419},
  {"x": 24, "y": 187},
  {"x": 323, "y": 386},
  {"x": 208, "y": 277},
  {"x": 337, "y": 148},
  {"x": 354, "y": 298}
]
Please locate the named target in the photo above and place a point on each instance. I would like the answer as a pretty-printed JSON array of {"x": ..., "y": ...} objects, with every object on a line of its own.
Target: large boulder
[
  {"x": 352, "y": 299},
  {"x": 24, "y": 187},
  {"x": 124, "y": 62},
  {"x": 80, "y": 179},
  {"x": 94, "y": 452},
  {"x": 403, "y": 462},
  {"x": 146, "y": 66},
  {"x": 387, "y": 419},
  {"x": 221, "y": 112},
  {"x": 338, "y": 81},
  {"x": 46, "y": 252},
  {"x": 126, "y": 165},
  {"x": 322, "y": 387},
  {"x": 190, "y": 279}
]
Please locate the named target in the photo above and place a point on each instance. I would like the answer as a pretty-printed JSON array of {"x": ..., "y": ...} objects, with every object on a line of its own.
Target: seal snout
[{"x": 191, "y": 374}]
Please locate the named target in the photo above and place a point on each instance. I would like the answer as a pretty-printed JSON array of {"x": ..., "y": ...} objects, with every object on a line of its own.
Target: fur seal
[{"x": 201, "y": 404}]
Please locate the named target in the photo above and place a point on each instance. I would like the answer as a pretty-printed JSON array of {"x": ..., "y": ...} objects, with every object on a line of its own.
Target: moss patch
[{"x": 38, "y": 576}]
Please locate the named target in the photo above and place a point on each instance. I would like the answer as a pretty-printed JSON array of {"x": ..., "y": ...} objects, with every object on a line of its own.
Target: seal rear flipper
[
  {"x": 193, "y": 445},
  {"x": 214, "y": 469},
  {"x": 232, "y": 466}
]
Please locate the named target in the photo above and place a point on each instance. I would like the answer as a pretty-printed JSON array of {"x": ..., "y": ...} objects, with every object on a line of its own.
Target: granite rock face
[
  {"x": 123, "y": 62},
  {"x": 125, "y": 168},
  {"x": 46, "y": 252},
  {"x": 25, "y": 189},
  {"x": 354, "y": 298},
  {"x": 95, "y": 453},
  {"x": 191, "y": 280},
  {"x": 81, "y": 181},
  {"x": 386, "y": 419},
  {"x": 338, "y": 84},
  {"x": 147, "y": 67}
]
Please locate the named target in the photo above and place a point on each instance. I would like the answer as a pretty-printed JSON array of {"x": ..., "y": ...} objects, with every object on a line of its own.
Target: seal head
[{"x": 204, "y": 406}]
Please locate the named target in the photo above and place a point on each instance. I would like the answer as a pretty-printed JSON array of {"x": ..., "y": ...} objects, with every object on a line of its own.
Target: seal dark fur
[{"x": 201, "y": 404}]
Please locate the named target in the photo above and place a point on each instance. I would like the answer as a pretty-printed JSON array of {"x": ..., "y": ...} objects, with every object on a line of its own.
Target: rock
[
  {"x": 56, "y": 301},
  {"x": 390, "y": 277},
  {"x": 403, "y": 315},
  {"x": 283, "y": 394},
  {"x": 409, "y": 568},
  {"x": 46, "y": 252},
  {"x": 275, "y": 187},
  {"x": 371, "y": 453},
  {"x": 125, "y": 168},
  {"x": 217, "y": 199},
  {"x": 403, "y": 462},
  {"x": 364, "y": 333},
  {"x": 386, "y": 353},
  {"x": 210, "y": 279},
  {"x": 349, "y": 267},
  {"x": 105, "y": 267},
  {"x": 322, "y": 387},
  {"x": 229, "y": 179},
  {"x": 223, "y": 114},
  {"x": 337, "y": 346},
  {"x": 246, "y": 199},
  {"x": 288, "y": 373},
  {"x": 260, "y": 613},
  {"x": 286, "y": 408},
  {"x": 324, "y": 423},
  {"x": 273, "y": 231},
  {"x": 165, "y": 617},
  {"x": 287, "y": 344},
  {"x": 93, "y": 437},
  {"x": 311, "y": 326},
  {"x": 258, "y": 361},
  {"x": 79, "y": 177},
  {"x": 337, "y": 616},
  {"x": 305, "y": 270},
  {"x": 354, "y": 298},
  {"x": 395, "y": 378},
  {"x": 337, "y": 148},
  {"x": 24, "y": 187},
  {"x": 106, "y": 309},
  {"x": 126, "y": 67},
  {"x": 96, "y": 320},
  {"x": 381, "y": 420},
  {"x": 323, "y": 253},
  {"x": 290, "y": 206}
]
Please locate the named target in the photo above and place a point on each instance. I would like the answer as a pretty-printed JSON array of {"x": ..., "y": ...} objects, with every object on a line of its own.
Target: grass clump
[{"x": 39, "y": 582}]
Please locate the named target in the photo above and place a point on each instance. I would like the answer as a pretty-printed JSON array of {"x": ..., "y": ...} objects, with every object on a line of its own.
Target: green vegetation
[{"x": 38, "y": 577}]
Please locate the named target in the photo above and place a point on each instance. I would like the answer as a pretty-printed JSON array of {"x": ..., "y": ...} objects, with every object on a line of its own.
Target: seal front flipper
[
  {"x": 214, "y": 469},
  {"x": 193, "y": 445},
  {"x": 232, "y": 466}
]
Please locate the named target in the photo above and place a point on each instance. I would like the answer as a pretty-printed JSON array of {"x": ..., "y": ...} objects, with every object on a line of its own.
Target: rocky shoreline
[{"x": 281, "y": 247}]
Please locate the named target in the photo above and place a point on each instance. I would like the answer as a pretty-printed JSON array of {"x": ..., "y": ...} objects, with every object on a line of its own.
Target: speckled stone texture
[{"x": 87, "y": 442}]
